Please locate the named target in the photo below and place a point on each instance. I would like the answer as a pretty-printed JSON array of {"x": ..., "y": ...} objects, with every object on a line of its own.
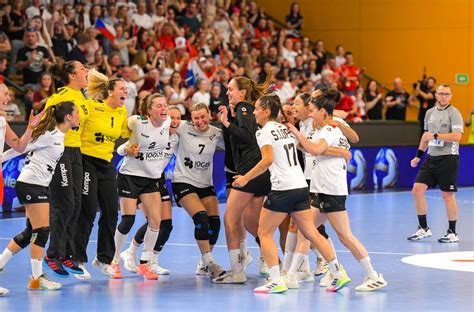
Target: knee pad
[
  {"x": 201, "y": 226},
  {"x": 23, "y": 239},
  {"x": 166, "y": 226},
  {"x": 40, "y": 236},
  {"x": 140, "y": 234},
  {"x": 126, "y": 224},
  {"x": 322, "y": 231},
  {"x": 214, "y": 227}
]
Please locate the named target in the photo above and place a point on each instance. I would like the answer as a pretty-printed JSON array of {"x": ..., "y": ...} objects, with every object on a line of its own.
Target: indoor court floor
[{"x": 422, "y": 276}]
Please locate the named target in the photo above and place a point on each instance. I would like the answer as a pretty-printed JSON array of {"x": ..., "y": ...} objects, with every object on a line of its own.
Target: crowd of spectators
[{"x": 188, "y": 50}]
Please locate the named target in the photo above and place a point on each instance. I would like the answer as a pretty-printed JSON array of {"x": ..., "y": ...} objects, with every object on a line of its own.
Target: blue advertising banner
[{"x": 371, "y": 168}]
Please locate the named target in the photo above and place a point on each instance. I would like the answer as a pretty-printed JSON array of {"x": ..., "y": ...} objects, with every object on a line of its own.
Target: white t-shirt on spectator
[
  {"x": 143, "y": 21},
  {"x": 340, "y": 60},
  {"x": 33, "y": 11},
  {"x": 11, "y": 110},
  {"x": 202, "y": 97},
  {"x": 289, "y": 56},
  {"x": 224, "y": 28},
  {"x": 130, "y": 100},
  {"x": 289, "y": 91}
]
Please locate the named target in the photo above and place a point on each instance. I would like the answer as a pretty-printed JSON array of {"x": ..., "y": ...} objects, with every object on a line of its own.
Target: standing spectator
[
  {"x": 397, "y": 101},
  {"x": 349, "y": 75},
  {"x": 60, "y": 37},
  {"x": 426, "y": 95},
  {"x": 44, "y": 39},
  {"x": 78, "y": 53},
  {"x": 286, "y": 49},
  {"x": 141, "y": 18},
  {"x": 37, "y": 9},
  {"x": 121, "y": 44},
  {"x": 321, "y": 56},
  {"x": 45, "y": 90},
  {"x": 32, "y": 58},
  {"x": 189, "y": 21},
  {"x": 255, "y": 14},
  {"x": 223, "y": 24},
  {"x": 93, "y": 44},
  {"x": 127, "y": 74},
  {"x": 294, "y": 21},
  {"x": 81, "y": 18},
  {"x": 340, "y": 58},
  {"x": 16, "y": 29},
  {"x": 215, "y": 101},
  {"x": 374, "y": 101},
  {"x": 360, "y": 103},
  {"x": 176, "y": 93},
  {"x": 94, "y": 13},
  {"x": 202, "y": 94},
  {"x": 11, "y": 110}
]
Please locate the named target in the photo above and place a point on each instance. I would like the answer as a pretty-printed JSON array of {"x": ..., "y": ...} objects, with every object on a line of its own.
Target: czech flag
[{"x": 106, "y": 30}]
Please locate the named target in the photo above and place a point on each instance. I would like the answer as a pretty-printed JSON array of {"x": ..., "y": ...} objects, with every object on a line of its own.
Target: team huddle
[{"x": 68, "y": 173}]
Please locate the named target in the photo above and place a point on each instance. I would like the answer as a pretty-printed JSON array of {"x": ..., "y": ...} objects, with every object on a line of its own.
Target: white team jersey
[
  {"x": 306, "y": 128},
  {"x": 151, "y": 142},
  {"x": 330, "y": 173},
  {"x": 195, "y": 154},
  {"x": 168, "y": 152},
  {"x": 285, "y": 171},
  {"x": 42, "y": 157},
  {"x": 3, "y": 131}
]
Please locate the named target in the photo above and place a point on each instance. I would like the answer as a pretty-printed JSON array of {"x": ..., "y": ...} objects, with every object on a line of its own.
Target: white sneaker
[
  {"x": 305, "y": 277},
  {"x": 326, "y": 280},
  {"x": 3, "y": 291},
  {"x": 129, "y": 261},
  {"x": 321, "y": 266},
  {"x": 105, "y": 268},
  {"x": 155, "y": 267},
  {"x": 370, "y": 284},
  {"x": 202, "y": 270},
  {"x": 86, "y": 275},
  {"x": 263, "y": 268},
  {"x": 43, "y": 283},
  {"x": 215, "y": 270},
  {"x": 420, "y": 234},
  {"x": 272, "y": 287},
  {"x": 247, "y": 259},
  {"x": 231, "y": 278},
  {"x": 291, "y": 281},
  {"x": 450, "y": 237}
]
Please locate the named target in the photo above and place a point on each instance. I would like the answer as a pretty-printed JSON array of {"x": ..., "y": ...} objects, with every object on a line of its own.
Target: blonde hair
[
  {"x": 99, "y": 85},
  {"x": 198, "y": 106}
]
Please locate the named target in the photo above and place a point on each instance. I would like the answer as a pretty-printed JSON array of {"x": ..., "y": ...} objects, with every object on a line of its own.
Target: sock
[
  {"x": 298, "y": 259},
  {"x": 287, "y": 260},
  {"x": 367, "y": 265},
  {"x": 146, "y": 256},
  {"x": 207, "y": 258},
  {"x": 36, "y": 268},
  {"x": 291, "y": 239},
  {"x": 317, "y": 253},
  {"x": 132, "y": 248},
  {"x": 243, "y": 247},
  {"x": 333, "y": 248},
  {"x": 275, "y": 273},
  {"x": 119, "y": 239},
  {"x": 452, "y": 226},
  {"x": 422, "y": 221},
  {"x": 5, "y": 257},
  {"x": 235, "y": 260},
  {"x": 151, "y": 235},
  {"x": 334, "y": 266},
  {"x": 305, "y": 265}
]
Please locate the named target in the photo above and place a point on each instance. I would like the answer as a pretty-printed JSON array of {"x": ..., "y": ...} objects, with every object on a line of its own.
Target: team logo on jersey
[
  {"x": 198, "y": 165},
  {"x": 99, "y": 137},
  {"x": 188, "y": 162},
  {"x": 50, "y": 168},
  {"x": 140, "y": 156},
  {"x": 84, "y": 108}
]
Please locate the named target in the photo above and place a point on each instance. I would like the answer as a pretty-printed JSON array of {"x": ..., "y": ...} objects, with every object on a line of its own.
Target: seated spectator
[
  {"x": 5, "y": 46},
  {"x": 127, "y": 75},
  {"x": 348, "y": 105},
  {"x": 11, "y": 110},
  {"x": 360, "y": 103},
  {"x": 321, "y": 56},
  {"x": 294, "y": 21},
  {"x": 310, "y": 72},
  {"x": 79, "y": 52},
  {"x": 28, "y": 101},
  {"x": 176, "y": 93},
  {"x": 326, "y": 80},
  {"x": 60, "y": 38},
  {"x": 141, "y": 18},
  {"x": 45, "y": 90},
  {"x": 340, "y": 58},
  {"x": 349, "y": 75},
  {"x": 189, "y": 20},
  {"x": 202, "y": 93},
  {"x": 397, "y": 101},
  {"x": 44, "y": 39},
  {"x": 121, "y": 44},
  {"x": 374, "y": 101}
]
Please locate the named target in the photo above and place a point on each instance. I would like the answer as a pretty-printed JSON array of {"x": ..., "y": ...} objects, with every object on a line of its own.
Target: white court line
[{"x": 255, "y": 247}]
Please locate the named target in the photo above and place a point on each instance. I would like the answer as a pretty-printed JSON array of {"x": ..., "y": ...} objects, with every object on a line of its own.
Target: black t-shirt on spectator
[
  {"x": 376, "y": 112},
  {"x": 4, "y": 26},
  {"x": 17, "y": 22},
  {"x": 397, "y": 112},
  {"x": 60, "y": 46},
  {"x": 223, "y": 95},
  {"x": 191, "y": 22},
  {"x": 32, "y": 71},
  {"x": 293, "y": 20},
  {"x": 425, "y": 105},
  {"x": 77, "y": 55}
]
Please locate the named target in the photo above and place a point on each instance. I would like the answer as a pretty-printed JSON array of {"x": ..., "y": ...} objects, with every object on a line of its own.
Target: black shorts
[
  {"x": 440, "y": 170},
  {"x": 182, "y": 189},
  {"x": 329, "y": 203},
  {"x": 133, "y": 186},
  {"x": 260, "y": 186},
  {"x": 31, "y": 193},
  {"x": 229, "y": 178},
  {"x": 165, "y": 195},
  {"x": 288, "y": 201}
]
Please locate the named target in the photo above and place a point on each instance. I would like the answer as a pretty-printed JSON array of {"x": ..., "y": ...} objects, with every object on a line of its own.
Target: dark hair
[
  {"x": 54, "y": 115},
  {"x": 147, "y": 102},
  {"x": 272, "y": 102},
  {"x": 368, "y": 85},
  {"x": 83, "y": 38},
  {"x": 253, "y": 90},
  {"x": 347, "y": 53},
  {"x": 61, "y": 70},
  {"x": 306, "y": 97},
  {"x": 430, "y": 77},
  {"x": 327, "y": 100}
]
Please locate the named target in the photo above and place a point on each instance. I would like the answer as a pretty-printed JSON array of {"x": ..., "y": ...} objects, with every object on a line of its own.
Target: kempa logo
[
  {"x": 63, "y": 169},
  {"x": 87, "y": 179}
]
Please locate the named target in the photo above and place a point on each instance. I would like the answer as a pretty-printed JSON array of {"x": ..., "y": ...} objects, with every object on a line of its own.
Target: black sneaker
[
  {"x": 55, "y": 267},
  {"x": 71, "y": 265}
]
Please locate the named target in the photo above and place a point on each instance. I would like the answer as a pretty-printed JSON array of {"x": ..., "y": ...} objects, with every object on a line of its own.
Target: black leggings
[{"x": 99, "y": 190}]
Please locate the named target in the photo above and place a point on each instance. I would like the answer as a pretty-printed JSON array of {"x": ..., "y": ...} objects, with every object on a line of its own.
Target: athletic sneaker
[
  {"x": 43, "y": 283},
  {"x": 215, "y": 270},
  {"x": 71, "y": 265},
  {"x": 3, "y": 291},
  {"x": 155, "y": 267},
  {"x": 85, "y": 275},
  {"x": 116, "y": 266},
  {"x": 321, "y": 266},
  {"x": 420, "y": 234},
  {"x": 370, "y": 284},
  {"x": 55, "y": 267},
  {"x": 129, "y": 261},
  {"x": 326, "y": 280},
  {"x": 263, "y": 268},
  {"x": 231, "y": 278},
  {"x": 305, "y": 277},
  {"x": 145, "y": 270},
  {"x": 339, "y": 281},
  {"x": 450, "y": 237},
  {"x": 246, "y": 260},
  {"x": 105, "y": 268},
  {"x": 272, "y": 287},
  {"x": 291, "y": 281},
  {"x": 202, "y": 270}
]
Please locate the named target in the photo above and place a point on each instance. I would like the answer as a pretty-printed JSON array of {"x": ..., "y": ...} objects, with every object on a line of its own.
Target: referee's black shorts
[{"x": 440, "y": 170}]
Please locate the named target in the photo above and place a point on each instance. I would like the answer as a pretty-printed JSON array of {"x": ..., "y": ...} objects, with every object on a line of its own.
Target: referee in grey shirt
[{"x": 443, "y": 131}]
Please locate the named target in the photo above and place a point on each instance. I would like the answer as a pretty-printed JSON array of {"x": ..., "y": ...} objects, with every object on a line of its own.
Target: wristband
[
  {"x": 420, "y": 153},
  {"x": 435, "y": 136}
]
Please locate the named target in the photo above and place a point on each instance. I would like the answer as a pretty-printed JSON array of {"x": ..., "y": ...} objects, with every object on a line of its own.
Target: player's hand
[
  {"x": 347, "y": 155},
  {"x": 35, "y": 120},
  {"x": 414, "y": 162},
  {"x": 239, "y": 181},
  {"x": 133, "y": 150}
]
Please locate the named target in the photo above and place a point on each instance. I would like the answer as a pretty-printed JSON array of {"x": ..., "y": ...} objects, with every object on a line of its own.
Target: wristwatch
[{"x": 435, "y": 136}]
